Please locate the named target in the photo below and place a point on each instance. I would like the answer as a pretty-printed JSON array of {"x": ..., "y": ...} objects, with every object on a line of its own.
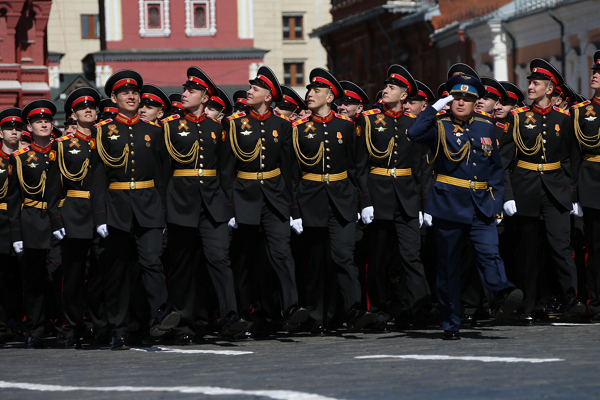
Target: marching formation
[{"x": 191, "y": 214}]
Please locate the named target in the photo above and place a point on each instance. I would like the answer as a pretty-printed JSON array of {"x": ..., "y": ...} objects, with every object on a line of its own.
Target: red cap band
[
  {"x": 326, "y": 82},
  {"x": 81, "y": 100},
  {"x": 422, "y": 93},
  {"x": 153, "y": 97},
  {"x": 11, "y": 119},
  {"x": 177, "y": 104},
  {"x": 444, "y": 93},
  {"x": 122, "y": 82},
  {"x": 267, "y": 82},
  {"x": 403, "y": 80},
  {"x": 352, "y": 94},
  {"x": 493, "y": 90},
  {"x": 546, "y": 73},
  {"x": 218, "y": 100},
  {"x": 289, "y": 100},
  {"x": 200, "y": 82},
  {"x": 458, "y": 73},
  {"x": 39, "y": 111},
  {"x": 110, "y": 110},
  {"x": 512, "y": 95},
  {"x": 242, "y": 100}
]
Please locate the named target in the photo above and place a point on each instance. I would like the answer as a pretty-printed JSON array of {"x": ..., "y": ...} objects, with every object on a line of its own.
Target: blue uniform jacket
[{"x": 455, "y": 203}]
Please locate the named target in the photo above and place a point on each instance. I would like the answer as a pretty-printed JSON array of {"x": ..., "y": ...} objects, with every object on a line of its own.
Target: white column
[
  {"x": 98, "y": 74},
  {"x": 499, "y": 52},
  {"x": 113, "y": 20}
]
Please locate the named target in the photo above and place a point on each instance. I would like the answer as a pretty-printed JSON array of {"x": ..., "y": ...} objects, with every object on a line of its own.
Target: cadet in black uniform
[
  {"x": 291, "y": 104},
  {"x": 541, "y": 185},
  {"x": 389, "y": 164},
  {"x": 108, "y": 109},
  {"x": 31, "y": 221},
  {"x": 327, "y": 199},
  {"x": 11, "y": 126},
  {"x": 354, "y": 100},
  {"x": 176, "y": 106},
  {"x": 82, "y": 210},
  {"x": 199, "y": 207},
  {"x": 262, "y": 194},
  {"x": 134, "y": 158},
  {"x": 218, "y": 105},
  {"x": 586, "y": 122},
  {"x": 154, "y": 104},
  {"x": 240, "y": 103}
]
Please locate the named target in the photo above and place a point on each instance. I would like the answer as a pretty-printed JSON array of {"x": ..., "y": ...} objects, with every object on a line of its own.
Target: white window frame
[
  {"x": 165, "y": 31},
  {"x": 211, "y": 26}
]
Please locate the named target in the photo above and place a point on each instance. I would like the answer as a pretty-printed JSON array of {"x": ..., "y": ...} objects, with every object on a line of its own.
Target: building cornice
[{"x": 177, "y": 54}]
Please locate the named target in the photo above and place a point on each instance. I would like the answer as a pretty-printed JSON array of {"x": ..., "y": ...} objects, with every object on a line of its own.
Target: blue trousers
[{"x": 482, "y": 234}]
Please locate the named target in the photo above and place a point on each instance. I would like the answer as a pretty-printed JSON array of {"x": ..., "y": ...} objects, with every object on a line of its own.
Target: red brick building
[{"x": 23, "y": 51}]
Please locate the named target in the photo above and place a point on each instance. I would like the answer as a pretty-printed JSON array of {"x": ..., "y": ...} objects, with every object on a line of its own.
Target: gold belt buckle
[
  {"x": 540, "y": 167},
  {"x": 326, "y": 178},
  {"x": 259, "y": 176},
  {"x": 200, "y": 172},
  {"x": 472, "y": 184},
  {"x": 132, "y": 185},
  {"x": 393, "y": 172}
]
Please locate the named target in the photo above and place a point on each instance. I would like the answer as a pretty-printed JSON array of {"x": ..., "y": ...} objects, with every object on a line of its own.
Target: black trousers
[
  {"x": 406, "y": 231},
  {"x": 96, "y": 273},
  {"x": 276, "y": 229},
  {"x": 53, "y": 295},
  {"x": 9, "y": 264},
  {"x": 591, "y": 219},
  {"x": 213, "y": 237},
  {"x": 148, "y": 243},
  {"x": 558, "y": 227},
  {"x": 35, "y": 282},
  {"x": 323, "y": 269}
]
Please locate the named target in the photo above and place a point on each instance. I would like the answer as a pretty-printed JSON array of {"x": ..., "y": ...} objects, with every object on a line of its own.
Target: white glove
[
  {"x": 102, "y": 230},
  {"x": 510, "y": 208},
  {"x": 357, "y": 217},
  {"x": 18, "y": 246},
  {"x": 577, "y": 210},
  {"x": 441, "y": 103},
  {"x": 59, "y": 234},
  {"x": 232, "y": 223},
  {"x": 498, "y": 220},
  {"x": 296, "y": 225},
  {"x": 428, "y": 219},
  {"x": 367, "y": 215},
  {"x": 420, "y": 219}
]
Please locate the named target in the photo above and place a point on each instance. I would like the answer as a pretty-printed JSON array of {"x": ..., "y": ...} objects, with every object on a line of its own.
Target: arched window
[{"x": 154, "y": 18}]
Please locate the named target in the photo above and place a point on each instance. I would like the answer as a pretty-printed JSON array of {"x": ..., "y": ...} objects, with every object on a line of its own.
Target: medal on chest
[{"x": 486, "y": 146}]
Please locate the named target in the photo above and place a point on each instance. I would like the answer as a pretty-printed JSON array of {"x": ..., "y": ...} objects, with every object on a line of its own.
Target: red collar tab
[
  {"x": 493, "y": 91},
  {"x": 41, "y": 149},
  {"x": 327, "y": 118},
  {"x": 596, "y": 99},
  {"x": 541, "y": 110},
  {"x": 201, "y": 83},
  {"x": 124, "y": 120},
  {"x": 289, "y": 100},
  {"x": 192, "y": 117},
  {"x": 81, "y": 100},
  {"x": 82, "y": 135},
  {"x": 39, "y": 111},
  {"x": 177, "y": 104},
  {"x": 123, "y": 82},
  {"x": 391, "y": 113},
  {"x": 500, "y": 125},
  {"x": 484, "y": 113},
  {"x": 546, "y": 73},
  {"x": 352, "y": 94},
  {"x": 260, "y": 117},
  {"x": 154, "y": 97},
  {"x": 218, "y": 100},
  {"x": 11, "y": 119},
  {"x": 328, "y": 83},
  {"x": 560, "y": 110},
  {"x": 110, "y": 110},
  {"x": 267, "y": 82},
  {"x": 403, "y": 80}
]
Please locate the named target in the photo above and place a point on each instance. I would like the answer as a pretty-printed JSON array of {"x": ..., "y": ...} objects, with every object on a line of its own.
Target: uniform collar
[
  {"x": 318, "y": 118},
  {"x": 260, "y": 117},
  {"x": 541, "y": 110},
  {"x": 596, "y": 100},
  {"x": 3, "y": 154},
  {"x": 82, "y": 135},
  {"x": 500, "y": 124},
  {"x": 128, "y": 121},
  {"x": 388, "y": 111},
  {"x": 41, "y": 149},
  {"x": 191, "y": 117},
  {"x": 459, "y": 122}
]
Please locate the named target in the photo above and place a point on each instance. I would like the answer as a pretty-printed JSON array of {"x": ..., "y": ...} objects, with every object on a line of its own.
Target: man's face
[
  {"x": 349, "y": 108},
  {"x": 192, "y": 98},
  {"x": 392, "y": 94},
  {"x": 557, "y": 99},
  {"x": 305, "y": 114},
  {"x": 503, "y": 109},
  {"x": 318, "y": 97},
  {"x": 538, "y": 89},
  {"x": 150, "y": 113},
  {"x": 127, "y": 100},
  {"x": 284, "y": 111},
  {"x": 41, "y": 127},
  {"x": 70, "y": 129},
  {"x": 595, "y": 80},
  {"x": 462, "y": 106},
  {"x": 415, "y": 106},
  {"x": 212, "y": 112},
  {"x": 11, "y": 135},
  {"x": 486, "y": 104},
  {"x": 257, "y": 95},
  {"x": 84, "y": 115}
]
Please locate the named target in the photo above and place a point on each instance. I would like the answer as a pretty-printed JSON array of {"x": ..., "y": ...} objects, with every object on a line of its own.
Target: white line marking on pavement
[
  {"x": 159, "y": 349},
  {"x": 466, "y": 358},
  {"x": 565, "y": 324},
  {"x": 207, "y": 390}
]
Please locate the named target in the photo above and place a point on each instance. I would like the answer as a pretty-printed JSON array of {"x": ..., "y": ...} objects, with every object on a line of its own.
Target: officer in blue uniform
[{"x": 465, "y": 199}]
